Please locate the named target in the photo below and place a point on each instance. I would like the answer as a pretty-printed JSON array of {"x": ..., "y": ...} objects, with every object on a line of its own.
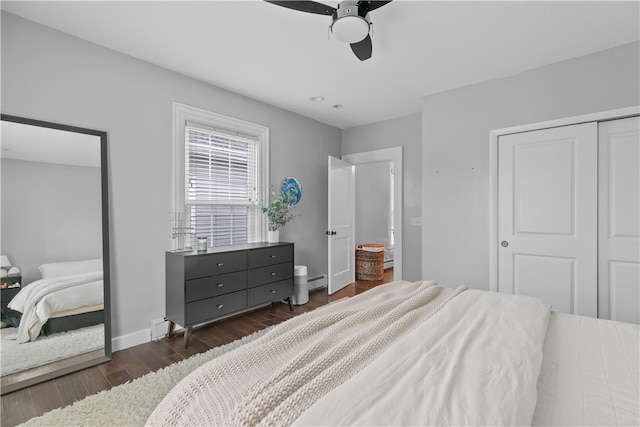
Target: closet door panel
[
  {"x": 547, "y": 216},
  {"x": 619, "y": 220}
]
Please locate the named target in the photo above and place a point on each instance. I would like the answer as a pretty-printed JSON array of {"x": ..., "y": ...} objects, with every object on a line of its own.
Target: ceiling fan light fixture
[{"x": 350, "y": 28}]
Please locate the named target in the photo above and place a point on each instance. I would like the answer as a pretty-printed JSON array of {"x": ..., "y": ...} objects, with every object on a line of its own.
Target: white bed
[
  {"x": 589, "y": 373},
  {"x": 419, "y": 354},
  {"x": 56, "y": 297}
]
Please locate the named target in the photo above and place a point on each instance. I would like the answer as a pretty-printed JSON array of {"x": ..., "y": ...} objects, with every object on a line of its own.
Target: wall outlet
[
  {"x": 158, "y": 328},
  {"x": 416, "y": 221}
]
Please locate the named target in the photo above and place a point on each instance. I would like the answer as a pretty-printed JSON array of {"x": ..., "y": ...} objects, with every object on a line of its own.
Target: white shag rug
[
  {"x": 16, "y": 357},
  {"x": 131, "y": 404}
]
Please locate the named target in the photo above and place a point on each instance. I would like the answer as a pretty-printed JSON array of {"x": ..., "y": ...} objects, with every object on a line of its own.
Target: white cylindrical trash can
[{"x": 300, "y": 285}]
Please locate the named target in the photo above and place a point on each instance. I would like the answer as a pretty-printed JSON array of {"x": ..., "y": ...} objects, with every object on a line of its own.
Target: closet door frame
[{"x": 493, "y": 170}]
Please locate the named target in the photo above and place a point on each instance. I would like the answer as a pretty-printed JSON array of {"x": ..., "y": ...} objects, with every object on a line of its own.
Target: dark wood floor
[{"x": 134, "y": 362}]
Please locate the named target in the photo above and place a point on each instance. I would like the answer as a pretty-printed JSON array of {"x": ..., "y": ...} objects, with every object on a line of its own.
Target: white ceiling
[{"x": 284, "y": 57}]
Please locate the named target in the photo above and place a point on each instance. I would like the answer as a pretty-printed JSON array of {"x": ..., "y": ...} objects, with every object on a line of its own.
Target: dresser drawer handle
[
  {"x": 272, "y": 256},
  {"x": 220, "y": 305},
  {"x": 220, "y": 285},
  {"x": 274, "y": 274},
  {"x": 220, "y": 264},
  {"x": 273, "y": 292}
]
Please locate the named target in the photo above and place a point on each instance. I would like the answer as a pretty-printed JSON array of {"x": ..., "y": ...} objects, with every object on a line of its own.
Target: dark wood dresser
[{"x": 206, "y": 286}]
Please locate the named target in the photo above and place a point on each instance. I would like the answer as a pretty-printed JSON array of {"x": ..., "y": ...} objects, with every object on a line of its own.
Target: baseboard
[
  {"x": 130, "y": 340},
  {"x": 144, "y": 335},
  {"x": 317, "y": 282}
]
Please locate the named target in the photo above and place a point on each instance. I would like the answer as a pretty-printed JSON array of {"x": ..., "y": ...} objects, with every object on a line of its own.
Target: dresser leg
[
  {"x": 171, "y": 327},
  {"x": 187, "y": 332},
  {"x": 290, "y": 305}
]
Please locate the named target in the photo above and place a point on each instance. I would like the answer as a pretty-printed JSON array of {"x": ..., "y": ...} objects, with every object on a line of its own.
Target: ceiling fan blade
[
  {"x": 363, "y": 48},
  {"x": 372, "y": 5},
  {"x": 305, "y": 6}
]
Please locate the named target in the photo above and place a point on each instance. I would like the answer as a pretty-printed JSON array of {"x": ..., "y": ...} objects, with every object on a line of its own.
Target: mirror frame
[{"x": 33, "y": 376}]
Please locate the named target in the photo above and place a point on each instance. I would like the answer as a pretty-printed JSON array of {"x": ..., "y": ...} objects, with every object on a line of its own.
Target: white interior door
[
  {"x": 547, "y": 216},
  {"x": 619, "y": 220},
  {"x": 340, "y": 228}
]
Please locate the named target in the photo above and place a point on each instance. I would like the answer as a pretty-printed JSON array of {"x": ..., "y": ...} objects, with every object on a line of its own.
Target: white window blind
[{"x": 221, "y": 183}]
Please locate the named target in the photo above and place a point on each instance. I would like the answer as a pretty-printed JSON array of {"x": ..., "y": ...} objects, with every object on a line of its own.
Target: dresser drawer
[
  {"x": 212, "y": 286},
  {"x": 272, "y": 291},
  {"x": 269, "y": 274},
  {"x": 214, "y": 264},
  {"x": 270, "y": 256},
  {"x": 212, "y": 308}
]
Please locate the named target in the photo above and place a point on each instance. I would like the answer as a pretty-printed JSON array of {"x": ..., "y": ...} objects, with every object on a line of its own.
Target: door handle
[{"x": 331, "y": 233}]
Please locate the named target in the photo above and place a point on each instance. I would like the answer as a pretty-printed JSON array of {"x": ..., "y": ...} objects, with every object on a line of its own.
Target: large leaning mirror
[{"x": 54, "y": 251}]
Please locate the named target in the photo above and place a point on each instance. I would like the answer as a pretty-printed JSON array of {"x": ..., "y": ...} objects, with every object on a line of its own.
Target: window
[{"x": 221, "y": 168}]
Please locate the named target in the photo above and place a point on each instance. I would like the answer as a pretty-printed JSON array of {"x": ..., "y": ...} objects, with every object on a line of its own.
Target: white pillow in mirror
[{"x": 59, "y": 269}]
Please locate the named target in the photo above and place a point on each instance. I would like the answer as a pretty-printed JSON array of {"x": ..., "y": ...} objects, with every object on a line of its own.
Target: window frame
[{"x": 182, "y": 114}]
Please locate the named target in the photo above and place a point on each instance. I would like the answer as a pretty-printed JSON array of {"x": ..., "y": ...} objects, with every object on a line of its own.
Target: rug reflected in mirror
[{"x": 16, "y": 357}]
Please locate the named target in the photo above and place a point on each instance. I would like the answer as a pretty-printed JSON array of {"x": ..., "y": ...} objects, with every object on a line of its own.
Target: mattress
[
  {"x": 589, "y": 374},
  {"x": 79, "y": 310}
]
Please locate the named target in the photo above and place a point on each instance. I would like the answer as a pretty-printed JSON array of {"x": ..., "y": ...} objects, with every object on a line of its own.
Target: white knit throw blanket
[{"x": 272, "y": 380}]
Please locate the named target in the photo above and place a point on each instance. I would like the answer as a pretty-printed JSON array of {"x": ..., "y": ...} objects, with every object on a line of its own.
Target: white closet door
[
  {"x": 619, "y": 220},
  {"x": 547, "y": 216}
]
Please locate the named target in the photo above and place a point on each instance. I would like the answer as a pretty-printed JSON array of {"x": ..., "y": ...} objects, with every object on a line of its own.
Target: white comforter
[
  {"x": 42, "y": 299},
  {"x": 475, "y": 362},
  {"x": 590, "y": 373},
  {"x": 473, "y": 359}
]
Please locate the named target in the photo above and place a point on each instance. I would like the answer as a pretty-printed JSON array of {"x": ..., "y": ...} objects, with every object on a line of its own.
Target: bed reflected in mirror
[{"x": 54, "y": 284}]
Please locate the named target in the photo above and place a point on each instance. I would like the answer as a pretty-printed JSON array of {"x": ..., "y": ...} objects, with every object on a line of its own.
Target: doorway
[
  {"x": 374, "y": 208},
  {"x": 392, "y": 158}
]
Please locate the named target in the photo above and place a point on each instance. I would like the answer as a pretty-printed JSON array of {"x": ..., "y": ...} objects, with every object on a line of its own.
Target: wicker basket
[{"x": 369, "y": 265}]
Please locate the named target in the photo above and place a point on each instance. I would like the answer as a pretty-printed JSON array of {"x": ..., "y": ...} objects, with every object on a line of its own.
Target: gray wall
[
  {"x": 373, "y": 202},
  {"x": 406, "y": 132},
  {"x": 50, "y": 213},
  {"x": 51, "y": 76},
  {"x": 455, "y": 153}
]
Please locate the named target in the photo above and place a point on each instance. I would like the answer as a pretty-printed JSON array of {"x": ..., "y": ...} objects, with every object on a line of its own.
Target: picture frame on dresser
[{"x": 202, "y": 287}]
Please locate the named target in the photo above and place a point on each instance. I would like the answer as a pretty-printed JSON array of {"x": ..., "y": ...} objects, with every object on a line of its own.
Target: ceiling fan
[{"x": 350, "y": 22}]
